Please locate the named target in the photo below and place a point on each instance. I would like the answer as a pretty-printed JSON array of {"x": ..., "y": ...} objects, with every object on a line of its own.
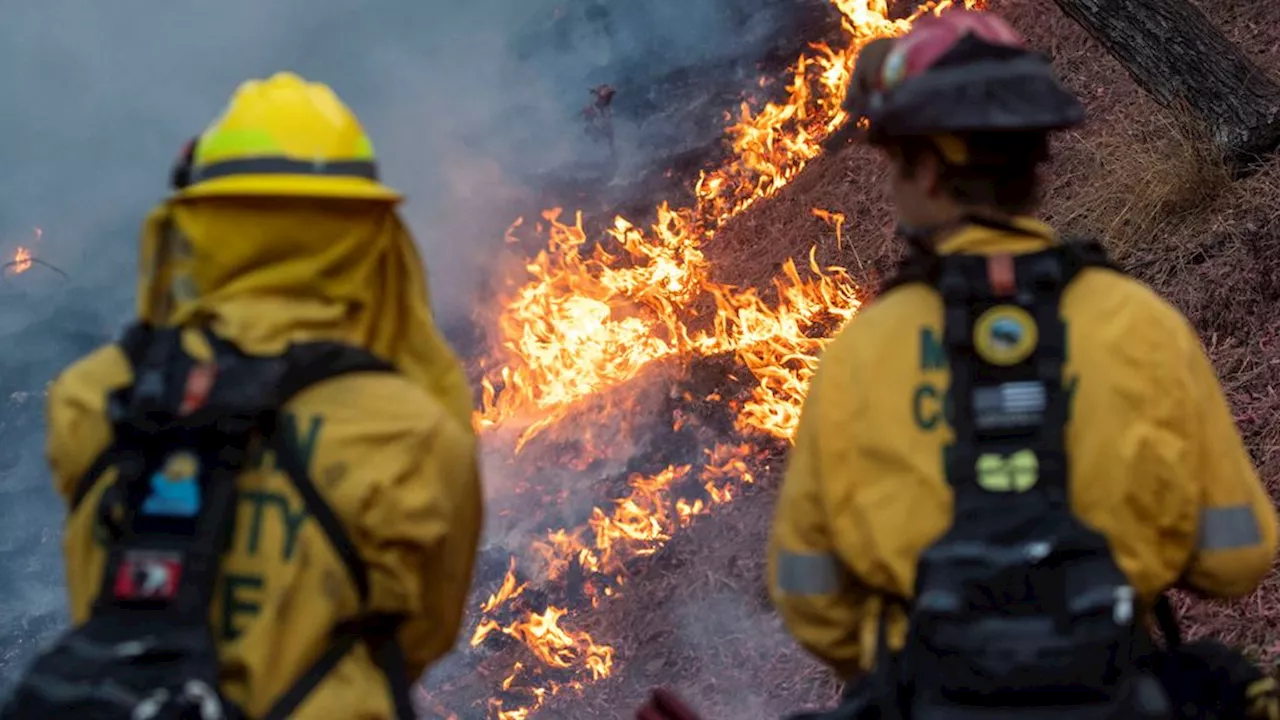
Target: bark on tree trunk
[{"x": 1178, "y": 55}]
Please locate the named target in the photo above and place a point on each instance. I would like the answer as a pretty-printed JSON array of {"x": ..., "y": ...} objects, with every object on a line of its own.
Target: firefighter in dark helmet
[
  {"x": 1005, "y": 460},
  {"x": 337, "y": 564}
]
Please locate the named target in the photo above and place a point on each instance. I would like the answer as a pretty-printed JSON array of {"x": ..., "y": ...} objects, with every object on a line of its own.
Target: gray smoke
[{"x": 465, "y": 100}]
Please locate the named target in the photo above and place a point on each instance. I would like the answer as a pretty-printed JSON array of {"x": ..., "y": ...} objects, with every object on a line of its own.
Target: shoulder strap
[
  {"x": 379, "y": 633},
  {"x": 133, "y": 343},
  {"x": 178, "y": 443},
  {"x": 304, "y": 365},
  {"x": 1167, "y": 620},
  {"x": 917, "y": 266},
  {"x": 923, "y": 266},
  {"x": 310, "y": 364},
  {"x": 314, "y": 362}
]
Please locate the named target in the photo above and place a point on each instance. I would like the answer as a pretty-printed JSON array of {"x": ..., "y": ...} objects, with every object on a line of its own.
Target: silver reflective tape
[
  {"x": 808, "y": 573},
  {"x": 1229, "y": 528}
]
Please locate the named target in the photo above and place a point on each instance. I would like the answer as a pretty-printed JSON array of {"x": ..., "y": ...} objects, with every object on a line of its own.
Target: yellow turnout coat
[
  {"x": 1156, "y": 462},
  {"x": 393, "y": 454}
]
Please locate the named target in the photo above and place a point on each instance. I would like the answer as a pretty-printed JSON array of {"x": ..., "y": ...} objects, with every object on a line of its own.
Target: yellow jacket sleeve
[
  {"x": 420, "y": 538},
  {"x": 75, "y": 415},
  {"x": 1237, "y": 534},
  {"x": 821, "y": 603}
]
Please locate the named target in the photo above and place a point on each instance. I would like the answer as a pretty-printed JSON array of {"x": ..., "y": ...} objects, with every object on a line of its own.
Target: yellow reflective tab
[
  {"x": 364, "y": 149},
  {"x": 1018, "y": 472},
  {"x": 221, "y": 144}
]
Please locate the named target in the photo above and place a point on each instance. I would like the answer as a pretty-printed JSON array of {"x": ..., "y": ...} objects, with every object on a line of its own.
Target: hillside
[
  {"x": 638, "y": 389},
  {"x": 1136, "y": 176}
]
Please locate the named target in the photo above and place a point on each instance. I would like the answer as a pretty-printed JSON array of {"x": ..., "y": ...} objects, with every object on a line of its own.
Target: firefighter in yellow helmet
[
  {"x": 1005, "y": 460},
  {"x": 277, "y": 272}
]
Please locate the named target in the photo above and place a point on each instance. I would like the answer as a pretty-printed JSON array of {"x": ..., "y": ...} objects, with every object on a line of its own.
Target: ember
[
  {"x": 24, "y": 259},
  {"x": 594, "y": 317},
  {"x": 20, "y": 263}
]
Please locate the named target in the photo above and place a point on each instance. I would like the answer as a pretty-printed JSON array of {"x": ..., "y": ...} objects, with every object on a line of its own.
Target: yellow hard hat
[{"x": 284, "y": 136}]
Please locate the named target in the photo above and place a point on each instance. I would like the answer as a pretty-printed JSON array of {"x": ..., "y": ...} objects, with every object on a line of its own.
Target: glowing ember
[
  {"x": 20, "y": 263},
  {"x": 593, "y": 316},
  {"x": 22, "y": 259}
]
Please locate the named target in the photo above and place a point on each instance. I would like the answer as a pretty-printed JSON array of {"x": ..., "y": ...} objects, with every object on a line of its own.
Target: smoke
[{"x": 468, "y": 103}]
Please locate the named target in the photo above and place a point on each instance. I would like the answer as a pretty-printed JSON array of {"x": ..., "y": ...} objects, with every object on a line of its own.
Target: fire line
[{"x": 588, "y": 321}]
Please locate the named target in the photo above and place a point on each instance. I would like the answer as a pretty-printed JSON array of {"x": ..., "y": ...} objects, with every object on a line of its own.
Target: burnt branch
[{"x": 36, "y": 261}]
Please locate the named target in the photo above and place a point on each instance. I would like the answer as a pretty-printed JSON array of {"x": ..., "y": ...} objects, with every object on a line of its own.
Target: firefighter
[
  {"x": 1015, "y": 449},
  {"x": 279, "y": 235}
]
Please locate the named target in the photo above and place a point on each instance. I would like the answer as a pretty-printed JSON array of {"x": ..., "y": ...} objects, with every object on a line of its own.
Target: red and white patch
[
  {"x": 199, "y": 383},
  {"x": 148, "y": 575}
]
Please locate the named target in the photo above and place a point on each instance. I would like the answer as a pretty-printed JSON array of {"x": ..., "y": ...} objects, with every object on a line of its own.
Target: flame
[
  {"x": 553, "y": 646},
  {"x": 593, "y": 315},
  {"x": 588, "y": 320},
  {"x": 21, "y": 262},
  {"x": 508, "y": 592},
  {"x": 834, "y": 219},
  {"x": 23, "y": 259}
]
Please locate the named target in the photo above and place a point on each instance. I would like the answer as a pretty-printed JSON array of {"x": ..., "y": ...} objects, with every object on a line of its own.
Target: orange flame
[
  {"x": 21, "y": 262},
  {"x": 593, "y": 316},
  {"x": 834, "y": 219},
  {"x": 509, "y": 590},
  {"x": 23, "y": 259}
]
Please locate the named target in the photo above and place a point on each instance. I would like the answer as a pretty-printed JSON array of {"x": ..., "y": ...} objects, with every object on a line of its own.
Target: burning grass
[
  {"x": 642, "y": 362},
  {"x": 594, "y": 317}
]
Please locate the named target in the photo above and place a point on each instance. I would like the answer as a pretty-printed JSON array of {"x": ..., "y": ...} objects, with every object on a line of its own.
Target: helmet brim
[{"x": 1021, "y": 95}]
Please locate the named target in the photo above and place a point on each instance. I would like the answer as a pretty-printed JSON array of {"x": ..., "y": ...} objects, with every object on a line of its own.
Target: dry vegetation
[{"x": 1138, "y": 176}]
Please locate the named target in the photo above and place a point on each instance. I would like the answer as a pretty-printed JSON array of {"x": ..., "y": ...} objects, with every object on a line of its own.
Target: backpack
[
  {"x": 1019, "y": 610},
  {"x": 183, "y": 432}
]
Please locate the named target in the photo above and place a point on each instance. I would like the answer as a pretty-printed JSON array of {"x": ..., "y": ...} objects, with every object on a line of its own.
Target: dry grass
[
  {"x": 1137, "y": 176},
  {"x": 1159, "y": 176}
]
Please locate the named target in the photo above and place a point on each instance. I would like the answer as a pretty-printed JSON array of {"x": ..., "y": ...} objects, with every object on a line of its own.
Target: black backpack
[
  {"x": 183, "y": 431},
  {"x": 1020, "y": 610}
]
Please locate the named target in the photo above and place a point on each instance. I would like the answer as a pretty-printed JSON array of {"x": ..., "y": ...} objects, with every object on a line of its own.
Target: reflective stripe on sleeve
[
  {"x": 1229, "y": 528},
  {"x": 808, "y": 573}
]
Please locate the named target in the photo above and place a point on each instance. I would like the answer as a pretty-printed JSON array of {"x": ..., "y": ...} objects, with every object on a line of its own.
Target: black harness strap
[
  {"x": 289, "y": 456},
  {"x": 1167, "y": 620},
  {"x": 307, "y": 365},
  {"x": 920, "y": 265},
  {"x": 379, "y": 634},
  {"x": 1020, "y": 609},
  {"x": 312, "y": 678},
  {"x": 133, "y": 343},
  {"x": 104, "y": 462}
]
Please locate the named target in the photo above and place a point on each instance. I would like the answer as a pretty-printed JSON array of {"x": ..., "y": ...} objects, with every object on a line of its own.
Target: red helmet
[{"x": 955, "y": 72}]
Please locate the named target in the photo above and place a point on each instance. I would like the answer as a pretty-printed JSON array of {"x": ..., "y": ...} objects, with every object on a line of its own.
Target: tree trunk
[{"x": 1178, "y": 55}]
